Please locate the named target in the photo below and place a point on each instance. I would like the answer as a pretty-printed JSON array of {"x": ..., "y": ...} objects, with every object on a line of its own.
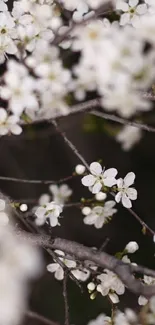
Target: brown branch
[
  {"x": 120, "y": 120},
  {"x": 70, "y": 144},
  {"x": 40, "y": 318},
  {"x": 66, "y": 305},
  {"x": 35, "y": 181},
  {"x": 82, "y": 253}
]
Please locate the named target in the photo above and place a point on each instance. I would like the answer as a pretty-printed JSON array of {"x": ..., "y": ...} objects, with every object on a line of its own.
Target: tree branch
[
  {"x": 40, "y": 318},
  {"x": 123, "y": 270}
]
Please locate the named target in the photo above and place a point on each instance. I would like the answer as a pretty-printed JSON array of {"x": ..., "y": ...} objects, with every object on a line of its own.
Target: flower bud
[
  {"x": 80, "y": 169},
  {"x": 132, "y": 247},
  {"x": 100, "y": 196},
  {"x": 86, "y": 211},
  {"x": 91, "y": 286}
]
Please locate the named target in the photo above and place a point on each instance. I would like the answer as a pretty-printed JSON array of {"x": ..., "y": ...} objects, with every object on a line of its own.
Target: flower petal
[
  {"x": 88, "y": 180},
  {"x": 111, "y": 172},
  {"x": 126, "y": 201},
  {"x": 52, "y": 267},
  {"x": 95, "y": 168},
  {"x": 129, "y": 179},
  {"x": 96, "y": 188},
  {"x": 132, "y": 193},
  {"x": 59, "y": 274},
  {"x": 118, "y": 197}
]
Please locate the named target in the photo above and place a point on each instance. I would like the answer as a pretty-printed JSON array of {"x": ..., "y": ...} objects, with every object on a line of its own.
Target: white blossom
[
  {"x": 60, "y": 194},
  {"x": 129, "y": 136},
  {"x": 125, "y": 192},
  {"x": 3, "y": 5},
  {"x": 99, "y": 215},
  {"x": 132, "y": 10},
  {"x": 100, "y": 196},
  {"x": 99, "y": 177},
  {"x": 9, "y": 124},
  {"x": 49, "y": 211},
  {"x": 102, "y": 319},
  {"x": 110, "y": 281},
  {"x": 19, "y": 263}
]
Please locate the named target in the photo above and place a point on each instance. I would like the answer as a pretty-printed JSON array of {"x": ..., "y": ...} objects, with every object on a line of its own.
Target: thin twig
[
  {"x": 70, "y": 144},
  {"x": 35, "y": 181},
  {"x": 66, "y": 305},
  {"x": 120, "y": 120},
  {"x": 40, "y": 318}
]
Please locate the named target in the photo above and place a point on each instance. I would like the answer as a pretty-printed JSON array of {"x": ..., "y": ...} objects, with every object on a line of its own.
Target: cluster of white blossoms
[
  {"x": 19, "y": 263},
  {"x": 99, "y": 178},
  {"x": 112, "y": 59},
  {"x": 60, "y": 194},
  {"x": 119, "y": 318},
  {"x": 80, "y": 273}
]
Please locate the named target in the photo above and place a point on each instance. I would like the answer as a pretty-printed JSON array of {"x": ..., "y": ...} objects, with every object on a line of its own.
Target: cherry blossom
[
  {"x": 131, "y": 247},
  {"x": 125, "y": 192},
  {"x": 102, "y": 319},
  {"x": 99, "y": 178},
  {"x": 132, "y": 10},
  {"x": 80, "y": 169},
  {"x": 99, "y": 215},
  {"x": 49, "y": 211},
  {"x": 9, "y": 123},
  {"x": 110, "y": 282},
  {"x": 61, "y": 193},
  {"x": 129, "y": 136}
]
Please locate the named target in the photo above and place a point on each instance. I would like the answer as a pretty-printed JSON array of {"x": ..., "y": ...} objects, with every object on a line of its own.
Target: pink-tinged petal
[
  {"x": 132, "y": 193},
  {"x": 133, "y": 3},
  {"x": 129, "y": 179},
  {"x": 118, "y": 197},
  {"x": 88, "y": 180},
  {"x": 111, "y": 172},
  {"x": 121, "y": 5},
  {"x": 125, "y": 19},
  {"x": 52, "y": 267},
  {"x": 126, "y": 201},
  {"x": 95, "y": 168},
  {"x": 120, "y": 183},
  {"x": 59, "y": 274},
  {"x": 109, "y": 181},
  {"x": 96, "y": 188}
]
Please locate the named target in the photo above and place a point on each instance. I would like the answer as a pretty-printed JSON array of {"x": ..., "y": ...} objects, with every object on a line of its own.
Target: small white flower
[
  {"x": 60, "y": 193},
  {"x": 131, "y": 247},
  {"x": 80, "y": 169},
  {"x": 57, "y": 269},
  {"x": 99, "y": 215},
  {"x": 50, "y": 210},
  {"x": 91, "y": 286},
  {"x": 125, "y": 192},
  {"x": 9, "y": 123},
  {"x": 128, "y": 137},
  {"x": 86, "y": 211},
  {"x": 99, "y": 178},
  {"x": 102, "y": 319},
  {"x": 110, "y": 281},
  {"x": 131, "y": 10}
]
